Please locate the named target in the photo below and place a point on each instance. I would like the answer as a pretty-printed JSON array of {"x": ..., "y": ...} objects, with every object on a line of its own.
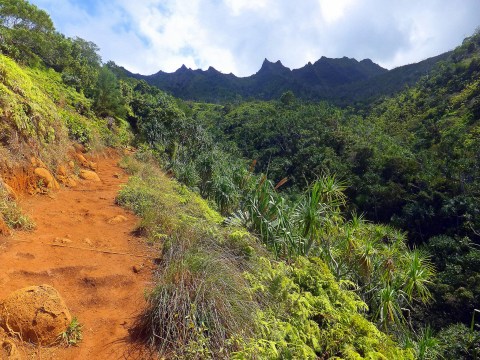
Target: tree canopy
[{"x": 24, "y": 30}]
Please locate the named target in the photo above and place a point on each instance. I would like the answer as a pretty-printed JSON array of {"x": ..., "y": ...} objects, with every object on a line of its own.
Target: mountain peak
[
  {"x": 212, "y": 70},
  {"x": 266, "y": 61},
  {"x": 273, "y": 67},
  {"x": 367, "y": 61},
  {"x": 183, "y": 68}
]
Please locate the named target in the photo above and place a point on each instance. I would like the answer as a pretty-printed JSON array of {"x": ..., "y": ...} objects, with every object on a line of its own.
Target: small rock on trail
[
  {"x": 47, "y": 177},
  {"x": 89, "y": 175},
  {"x": 117, "y": 219}
]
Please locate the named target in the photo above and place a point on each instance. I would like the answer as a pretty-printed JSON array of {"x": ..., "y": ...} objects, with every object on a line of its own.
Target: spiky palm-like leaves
[
  {"x": 225, "y": 193},
  {"x": 271, "y": 218},
  {"x": 418, "y": 275},
  {"x": 318, "y": 209},
  {"x": 388, "y": 276},
  {"x": 389, "y": 309},
  {"x": 427, "y": 345},
  {"x": 296, "y": 229}
]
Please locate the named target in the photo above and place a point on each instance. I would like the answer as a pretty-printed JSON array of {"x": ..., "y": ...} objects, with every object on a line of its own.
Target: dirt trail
[{"x": 104, "y": 291}]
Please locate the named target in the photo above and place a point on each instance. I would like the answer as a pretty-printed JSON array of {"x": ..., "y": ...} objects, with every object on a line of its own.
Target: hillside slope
[
  {"x": 40, "y": 119},
  {"x": 244, "y": 267},
  {"x": 411, "y": 160}
]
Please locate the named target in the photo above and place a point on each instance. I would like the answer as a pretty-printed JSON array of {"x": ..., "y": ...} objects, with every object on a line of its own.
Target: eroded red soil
[{"x": 104, "y": 291}]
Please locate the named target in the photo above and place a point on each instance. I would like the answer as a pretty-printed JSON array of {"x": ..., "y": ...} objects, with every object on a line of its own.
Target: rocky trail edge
[{"x": 83, "y": 245}]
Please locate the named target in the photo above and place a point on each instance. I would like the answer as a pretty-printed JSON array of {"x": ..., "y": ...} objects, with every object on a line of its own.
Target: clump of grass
[
  {"x": 200, "y": 300},
  {"x": 12, "y": 213},
  {"x": 163, "y": 204},
  {"x": 130, "y": 165},
  {"x": 72, "y": 335}
]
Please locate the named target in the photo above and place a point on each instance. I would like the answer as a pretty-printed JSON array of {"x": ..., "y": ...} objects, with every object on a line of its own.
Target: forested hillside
[
  {"x": 411, "y": 160},
  {"x": 293, "y": 229}
]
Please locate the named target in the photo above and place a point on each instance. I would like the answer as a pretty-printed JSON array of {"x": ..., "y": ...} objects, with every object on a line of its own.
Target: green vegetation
[
  {"x": 457, "y": 284},
  {"x": 24, "y": 30},
  {"x": 308, "y": 313},
  {"x": 374, "y": 258},
  {"x": 410, "y": 161},
  {"x": 183, "y": 147},
  {"x": 107, "y": 95},
  {"x": 39, "y": 112},
  {"x": 459, "y": 342},
  {"x": 73, "y": 335},
  {"x": 11, "y": 213},
  {"x": 395, "y": 170},
  {"x": 262, "y": 253},
  {"x": 200, "y": 296},
  {"x": 218, "y": 292}
]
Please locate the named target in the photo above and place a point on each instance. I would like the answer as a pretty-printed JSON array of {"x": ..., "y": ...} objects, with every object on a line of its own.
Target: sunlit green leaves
[{"x": 418, "y": 275}]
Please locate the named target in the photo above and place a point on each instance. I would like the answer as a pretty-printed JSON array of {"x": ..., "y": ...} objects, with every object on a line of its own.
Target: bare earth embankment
[{"x": 84, "y": 247}]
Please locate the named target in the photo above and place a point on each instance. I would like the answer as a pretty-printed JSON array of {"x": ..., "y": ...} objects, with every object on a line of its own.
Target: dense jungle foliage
[
  {"x": 411, "y": 161},
  {"x": 322, "y": 232}
]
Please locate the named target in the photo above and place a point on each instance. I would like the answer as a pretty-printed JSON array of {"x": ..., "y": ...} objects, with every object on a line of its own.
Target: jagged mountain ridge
[{"x": 342, "y": 81}]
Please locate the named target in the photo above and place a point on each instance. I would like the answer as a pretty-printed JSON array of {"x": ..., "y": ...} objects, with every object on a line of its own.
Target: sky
[{"x": 146, "y": 36}]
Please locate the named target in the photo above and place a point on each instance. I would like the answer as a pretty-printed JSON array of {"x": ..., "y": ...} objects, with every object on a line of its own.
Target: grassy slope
[
  {"x": 31, "y": 124},
  {"x": 40, "y": 115},
  {"x": 35, "y": 108},
  {"x": 220, "y": 294}
]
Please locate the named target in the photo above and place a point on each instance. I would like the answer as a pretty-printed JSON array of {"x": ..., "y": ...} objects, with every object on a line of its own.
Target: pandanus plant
[
  {"x": 318, "y": 210},
  {"x": 270, "y": 216},
  {"x": 387, "y": 275},
  {"x": 293, "y": 229}
]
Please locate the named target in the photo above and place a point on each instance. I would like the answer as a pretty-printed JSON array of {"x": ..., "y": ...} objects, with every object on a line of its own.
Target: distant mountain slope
[
  {"x": 386, "y": 84},
  {"x": 341, "y": 81}
]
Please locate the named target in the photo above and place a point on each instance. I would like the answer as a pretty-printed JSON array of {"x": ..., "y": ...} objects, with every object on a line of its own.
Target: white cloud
[
  {"x": 236, "y": 35},
  {"x": 334, "y": 10},
  {"x": 240, "y": 6}
]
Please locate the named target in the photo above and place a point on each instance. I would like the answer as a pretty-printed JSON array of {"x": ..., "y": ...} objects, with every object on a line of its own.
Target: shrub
[
  {"x": 459, "y": 342},
  {"x": 309, "y": 316},
  {"x": 12, "y": 214}
]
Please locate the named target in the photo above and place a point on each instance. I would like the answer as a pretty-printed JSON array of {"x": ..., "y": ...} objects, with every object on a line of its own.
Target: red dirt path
[{"x": 102, "y": 290}]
